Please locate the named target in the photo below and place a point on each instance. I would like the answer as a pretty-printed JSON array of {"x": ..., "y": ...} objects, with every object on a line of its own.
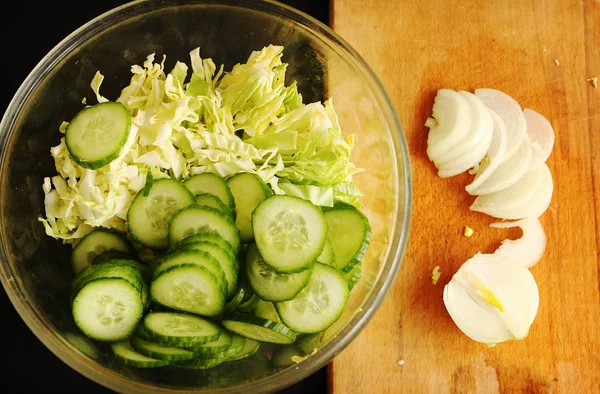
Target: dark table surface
[{"x": 28, "y": 31}]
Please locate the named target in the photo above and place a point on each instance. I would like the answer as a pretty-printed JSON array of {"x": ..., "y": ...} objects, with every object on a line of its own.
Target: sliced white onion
[
  {"x": 452, "y": 123},
  {"x": 528, "y": 249},
  {"x": 494, "y": 156},
  {"x": 492, "y": 299},
  {"x": 511, "y": 114},
  {"x": 476, "y": 144},
  {"x": 541, "y": 135},
  {"x": 534, "y": 206},
  {"x": 511, "y": 197},
  {"x": 507, "y": 173}
]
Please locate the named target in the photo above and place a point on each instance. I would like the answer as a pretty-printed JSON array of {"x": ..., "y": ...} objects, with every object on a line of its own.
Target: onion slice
[
  {"x": 511, "y": 114},
  {"x": 511, "y": 197},
  {"x": 452, "y": 123},
  {"x": 476, "y": 144},
  {"x": 492, "y": 299},
  {"x": 506, "y": 174},
  {"x": 528, "y": 249},
  {"x": 534, "y": 206},
  {"x": 541, "y": 135},
  {"x": 494, "y": 156}
]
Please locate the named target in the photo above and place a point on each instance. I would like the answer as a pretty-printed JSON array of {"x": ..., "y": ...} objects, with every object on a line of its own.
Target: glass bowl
[{"x": 34, "y": 267}]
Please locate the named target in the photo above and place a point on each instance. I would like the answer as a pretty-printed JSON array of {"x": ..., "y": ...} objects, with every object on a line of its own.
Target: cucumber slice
[
  {"x": 353, "y": 276},
  {"x": 214, "y": 347},
  {"x": 227, "y": 261},
  {"x": 98, "y": 241},
  {"x": 179, "y": 329},
  {"x": 319, "y": 304},
  {"x": 127, "y": 354},
  {"x": 236, "y": 300},
  {"x": 211, "y": 183},
  {"x": 97, "y": 134},
  {"x": 189, "y": 288},
  {"x": 112, "y": 255},
  {"x": 327, "y": 256},
  {"x": 349, "y": 232},
  {"x": 205, "y": 237},
  {"x": 149, "y": 215},
  {"x": 107, "y": 271},
  {"x": 259, "y": 329},
  {"x": 268, "y": 284},
  {"x": 205, "y": 361},
  {"x": 266, "y": 310},
  {"x": 158, "y": 351},
  {"x": 196, "y": 219},
  {"x": 248, "y": 191},
  {"x": 143, "y": 268},
  {"x": 107, "y": 310},
  {"x": 290, "y": 233},
  {"x": 212, "y": 201},
  {"x": 194, "y": 257},
  {"x": 248, "y": 305},
  {"x": 250, "y": 348}
]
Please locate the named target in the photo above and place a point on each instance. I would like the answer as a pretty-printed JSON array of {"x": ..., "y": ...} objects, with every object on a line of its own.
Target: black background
[{"x": 28, "y": 31}]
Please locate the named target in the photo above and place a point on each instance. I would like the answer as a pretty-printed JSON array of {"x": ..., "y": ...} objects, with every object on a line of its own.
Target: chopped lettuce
[{"x": 186, "y": 122}]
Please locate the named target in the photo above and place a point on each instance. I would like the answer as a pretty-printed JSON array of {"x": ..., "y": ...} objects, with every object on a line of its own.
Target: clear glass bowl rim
[{"x": 355, "y": 325}]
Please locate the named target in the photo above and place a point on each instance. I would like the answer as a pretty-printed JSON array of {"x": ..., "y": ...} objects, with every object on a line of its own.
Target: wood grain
[{"x": 416, "y": 48}]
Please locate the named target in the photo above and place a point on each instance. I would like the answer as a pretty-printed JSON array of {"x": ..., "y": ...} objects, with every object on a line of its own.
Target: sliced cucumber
[
  {"x": 196, "y": 219},
  {"x": 327, "y": 256},
  {"x": 349, "y": 232},
  {"x": 98, "y": 241},
  {"x": 268, "y": 284},
  {"x": 319, "y": 304},
  {"x": 205, "y": 237},
  {"x": 248, "y": 190},
  {"x": 353, "y": 276},
  {"x": 160, "y": 352},
  {"x": 107, "y": 310},
  {"x": 149, "y": 215},
  {"x": 259, "y": 329},
  {"x": 107, "y": 271},
  {"x": 290, "y": 233},
  {"x": 249, "y": 304},
  {"x": 111, "y": 255},
  {"x": 123, "y": 262},
  {"x": 236, "y": 300},
  {"x": 195, "y": 257},
  {"x": 97, "y": 134},
  {"x": 250, "y": 348},
  {"x": 211, "y": 183},
  {"x": 214, "y": 347},
  {"x": 179, "y": 329},
  {"x": 189, "y": 288},
  {"x": 127, "y": 354},
  {"x": 212, "y": 201},
  {"x": 227, "y": 261},
  {"x": 266, "y": 310}
]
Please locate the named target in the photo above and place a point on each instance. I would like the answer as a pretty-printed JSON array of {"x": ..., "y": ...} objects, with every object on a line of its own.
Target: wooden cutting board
[{"x": 541, "y": 53}]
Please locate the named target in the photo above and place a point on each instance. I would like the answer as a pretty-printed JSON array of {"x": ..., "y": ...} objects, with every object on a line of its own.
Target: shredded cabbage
[{"x": 188, "y": 123}]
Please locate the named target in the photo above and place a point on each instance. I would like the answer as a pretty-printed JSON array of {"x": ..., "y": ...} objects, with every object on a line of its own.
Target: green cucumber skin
[
  {"x": 208, "y": 210},
  {"x": 119, "y": 237},
  {"x": 175, "y": 341},
  {"x": 262, "y": 292},
  {"x": 246, "y": 318},
  {"x": 139, "y": 346},
  {"x": 222, "y": 292},
  {"x": 216, "y": 178},
  {"x": 362, "y": 250},
  {"x": 96, "y": 164}
]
